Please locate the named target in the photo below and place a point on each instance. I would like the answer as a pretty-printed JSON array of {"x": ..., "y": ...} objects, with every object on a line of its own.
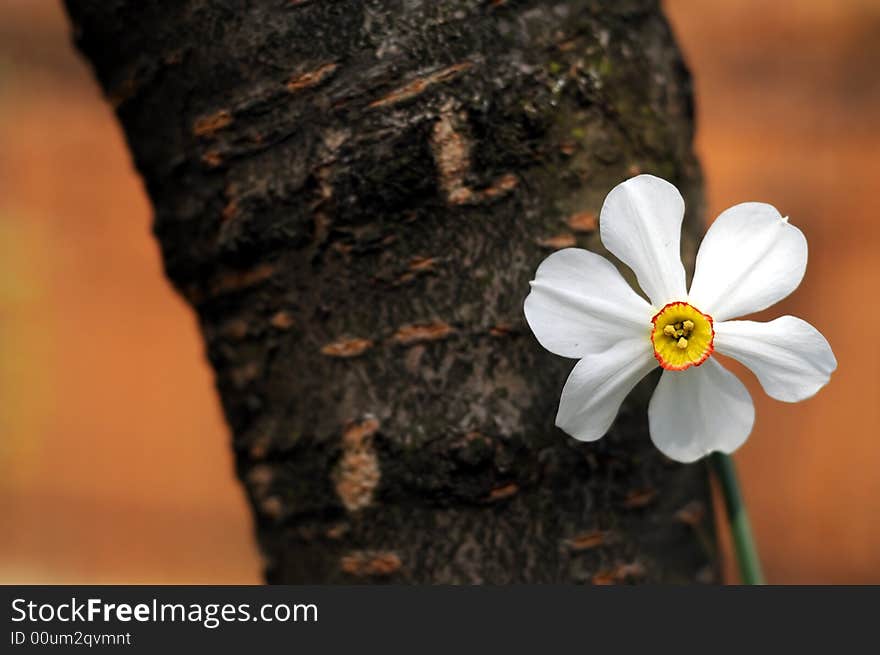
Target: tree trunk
[{"x": 353, "y": 196}]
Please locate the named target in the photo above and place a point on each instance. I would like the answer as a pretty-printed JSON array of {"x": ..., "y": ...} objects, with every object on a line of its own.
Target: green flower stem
[{"x": 743, "y": 541}]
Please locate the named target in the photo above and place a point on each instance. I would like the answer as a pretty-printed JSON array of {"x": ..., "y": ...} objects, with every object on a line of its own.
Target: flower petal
[
  {"x": 580, "y": 304},
  {"x": 695, "y": 412},
  {"x": 790, "y": 357},
  {"x": 598, "y": 384},
  {"x": 750, "y": 258},
  {"x": 640, "y": 224}
]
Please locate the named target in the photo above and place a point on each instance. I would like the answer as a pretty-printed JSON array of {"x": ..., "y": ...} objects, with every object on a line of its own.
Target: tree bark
[{"x": 353, "y": 196}]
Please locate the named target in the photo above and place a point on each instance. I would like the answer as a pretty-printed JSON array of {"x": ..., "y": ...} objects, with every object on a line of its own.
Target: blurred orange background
[{"x": 115, "y": 464}]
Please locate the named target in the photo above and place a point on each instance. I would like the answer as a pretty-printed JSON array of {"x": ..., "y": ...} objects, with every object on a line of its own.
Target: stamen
[{"x": 682, "y": 336}]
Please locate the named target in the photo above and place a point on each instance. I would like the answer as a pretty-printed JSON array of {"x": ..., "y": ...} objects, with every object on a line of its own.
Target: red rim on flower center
[{"x": 682, "y": 337}]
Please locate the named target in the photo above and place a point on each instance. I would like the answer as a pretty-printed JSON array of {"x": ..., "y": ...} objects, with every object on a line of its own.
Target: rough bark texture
[{"x": 353, "y": 196}]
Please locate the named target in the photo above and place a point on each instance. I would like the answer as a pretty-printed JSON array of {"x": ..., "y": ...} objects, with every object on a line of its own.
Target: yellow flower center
[{"x": 683, "y": 336}]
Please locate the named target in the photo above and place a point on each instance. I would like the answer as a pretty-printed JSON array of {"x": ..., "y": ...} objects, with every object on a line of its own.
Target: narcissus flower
[{"x": 581, "y": 307}]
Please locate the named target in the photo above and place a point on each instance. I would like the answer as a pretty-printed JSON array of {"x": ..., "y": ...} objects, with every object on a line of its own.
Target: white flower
[{"x": 581, "y": 307}]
